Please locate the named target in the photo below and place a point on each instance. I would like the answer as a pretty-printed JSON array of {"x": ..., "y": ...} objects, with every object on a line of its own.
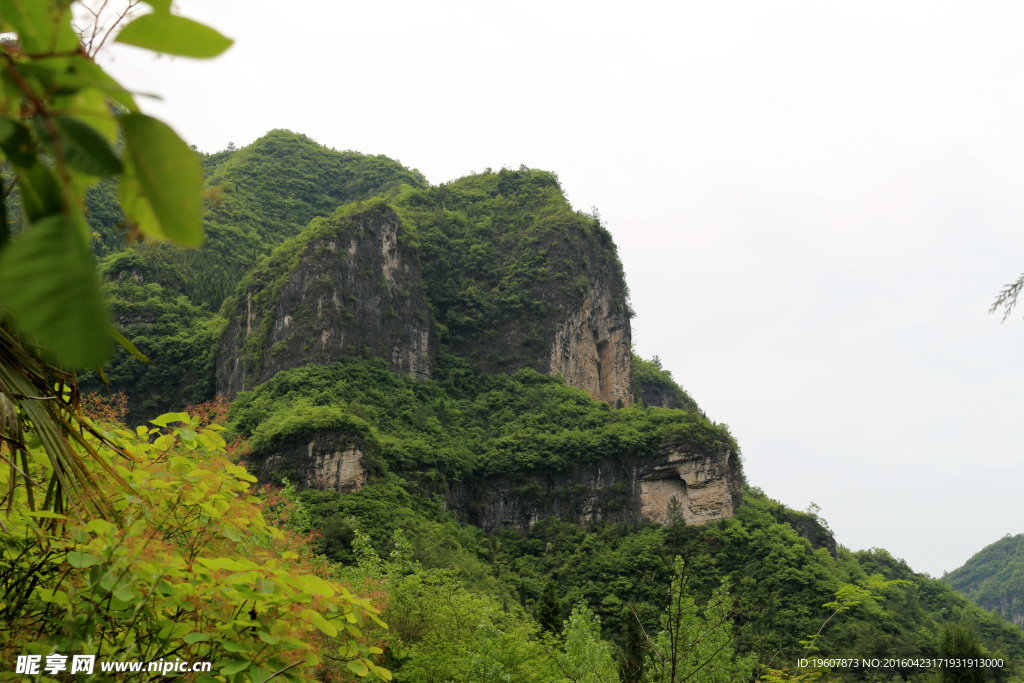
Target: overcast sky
[{"x": 815, "y": 204}]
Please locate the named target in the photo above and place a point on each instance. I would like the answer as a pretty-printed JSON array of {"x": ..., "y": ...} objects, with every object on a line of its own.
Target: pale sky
[{"x": 815, "y": 204}]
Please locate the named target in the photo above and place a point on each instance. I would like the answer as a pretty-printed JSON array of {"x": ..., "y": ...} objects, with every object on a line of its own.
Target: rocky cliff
[
  {"x": 330, "y": 461},
  {"x": 348, "y": 286},
  {"x": 591, "y": 347},
  {"x": 677, "y": 484},
  {"x": 518, "y": 279},
  {"x": 507, "y": 279}
]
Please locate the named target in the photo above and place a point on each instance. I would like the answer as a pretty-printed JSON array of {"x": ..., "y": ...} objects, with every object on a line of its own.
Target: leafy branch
[{"x": 65, "y": 124}]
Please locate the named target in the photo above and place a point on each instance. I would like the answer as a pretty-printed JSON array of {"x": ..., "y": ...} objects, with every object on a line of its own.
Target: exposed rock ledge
[
  {"x": 329, "y": 461},
  {"x": 695, "y": 487},
  {"x": 678, "y": 484}
]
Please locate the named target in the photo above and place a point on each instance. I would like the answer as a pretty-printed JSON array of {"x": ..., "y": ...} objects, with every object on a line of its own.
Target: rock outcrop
[
  {"x": 591, "y": 348},
  {"x": 351, "y": 288},
  {"x": 545, "y": 291},
  {"x": 678, "y": 485},
  {"x": 330, "y": 461}
]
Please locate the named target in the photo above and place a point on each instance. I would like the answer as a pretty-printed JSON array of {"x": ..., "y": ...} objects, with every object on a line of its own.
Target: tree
[
  {"x": 957, "y": 641},
  {"x": 695, "y": 642},
  {"x": 1007, "y": 298},
  {"x": 65, "y": 124},
  {"x": 632, "y": 664},
  {"x": 585, "y": 658},
  {"x": 549, "y": 609}
]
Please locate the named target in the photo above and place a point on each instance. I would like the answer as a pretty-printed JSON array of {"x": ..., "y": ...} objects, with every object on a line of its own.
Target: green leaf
[
  {"x": 41, "y": 26},
  {"x": 125, "y": 594},
  {"x": 85, "y": 74},
  {"x": 7, "y": 128},
  {"x": 84, "y": 148},
  {"x": 168, "y": 418},
  {"x": 357, "y": 667},
  {"x": 101, "y": 526},
  {"x": 50, "y": 514},
  {"x": 259, "y": 674},
  {"x": 40, "y": 191},
  {"x": 174, "y": 35},
  {"x": 49, "y": 285},
  {"x": 318, "y": 620},
  {"x": 161, "y": 191},
  {"x": 16, "y": 143},
  {"x": 53, "y": 595},
  {"x": 82, "y": 560},
  {"x": 5, "y": 230},
  {"x": 196, "y": 637}
]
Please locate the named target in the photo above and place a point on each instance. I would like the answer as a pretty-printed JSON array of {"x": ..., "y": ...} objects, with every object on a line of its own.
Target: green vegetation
[
  {"x": 778, "y": 563},
  {"x": 257, "y": 197},
  {"x": 189, "y": 570},
  {"x": 654, "y": 386},
  {"x": 151, "y": 543},
  {"x": 65, "y": 126},
  {"x": 781, "y": 589},
  {"x": 452, "y": 428},
  {"x": 504, "y": 258},
  {"x": 994, "y": 578}
]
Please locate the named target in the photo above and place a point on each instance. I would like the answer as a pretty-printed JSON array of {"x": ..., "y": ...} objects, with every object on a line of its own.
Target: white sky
[{"x": 815, "y": 204}]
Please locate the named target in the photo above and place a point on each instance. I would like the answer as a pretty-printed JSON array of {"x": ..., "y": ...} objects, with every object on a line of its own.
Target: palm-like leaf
[{"x": 40, "y": 400}]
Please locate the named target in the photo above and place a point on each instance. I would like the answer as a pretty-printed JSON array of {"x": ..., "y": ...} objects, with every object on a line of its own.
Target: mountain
[
  {"x": 445, "y": 374},
  {"x": 496, "y": 269},
  {"x": 994, "y": 578},
  {"x": 166, "y": 299}
]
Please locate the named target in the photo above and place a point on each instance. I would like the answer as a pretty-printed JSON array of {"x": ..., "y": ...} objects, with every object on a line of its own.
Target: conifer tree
[{"x": 549, "y": 609}]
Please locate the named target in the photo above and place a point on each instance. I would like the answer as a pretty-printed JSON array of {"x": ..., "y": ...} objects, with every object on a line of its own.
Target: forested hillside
[
  {"x": 487, "y": 268},
  {"x": 436, "y": 387},
  {"x": 994, "y": 578},
  {"x": 166, "y": 298}
]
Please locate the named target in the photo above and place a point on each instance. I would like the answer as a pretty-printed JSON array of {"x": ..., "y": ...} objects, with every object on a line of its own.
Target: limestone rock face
[
  {"x": 696, "y": 487},
  {"x": 591, "y": 348},
  {"x": 678, "y": 484},
  {"x": 329, "y": 461},
  {"x": 1011, "y": 609},
  {"x": 353, "y": 290}
]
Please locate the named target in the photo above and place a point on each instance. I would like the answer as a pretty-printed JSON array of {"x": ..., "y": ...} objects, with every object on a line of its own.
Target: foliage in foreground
[{"x": 192, "y": 570}]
